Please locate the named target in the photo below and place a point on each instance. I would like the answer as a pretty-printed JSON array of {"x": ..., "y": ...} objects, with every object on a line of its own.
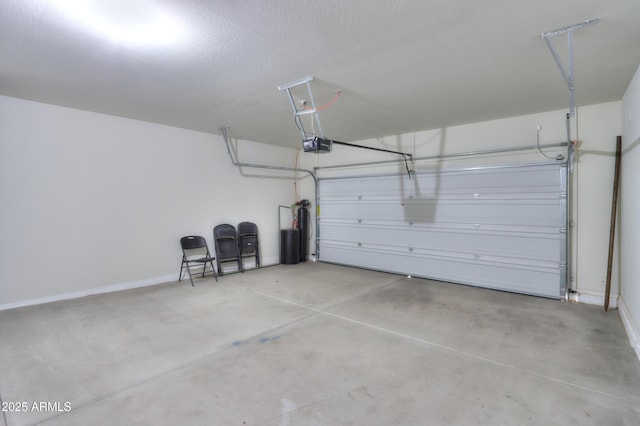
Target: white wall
[
  {"x": 80, "y": 191},
  {"x": 630, "y": 212},
  {"x": 91, "y": 202},
  {"x": 597, "y": 127}
]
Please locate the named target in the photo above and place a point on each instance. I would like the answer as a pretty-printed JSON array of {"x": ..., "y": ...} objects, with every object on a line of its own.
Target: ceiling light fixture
[{"x": 125, "y": 22}]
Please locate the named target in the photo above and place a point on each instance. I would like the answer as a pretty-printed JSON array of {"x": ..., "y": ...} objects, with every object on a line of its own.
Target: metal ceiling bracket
[
  {"x": 304, "y": 110},
  {"x": 567, "y": 72},
  {"x": 317, "y": 142}
]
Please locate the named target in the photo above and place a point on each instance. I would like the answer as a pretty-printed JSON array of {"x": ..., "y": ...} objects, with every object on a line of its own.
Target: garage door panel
[
  {"x": 499, "y": 179},
  {"x": 532, "y": 213},
  {"x": 539, "y": 281},
  {"x": 542, "y": 246},
  {"x": 483, "y": 223}
]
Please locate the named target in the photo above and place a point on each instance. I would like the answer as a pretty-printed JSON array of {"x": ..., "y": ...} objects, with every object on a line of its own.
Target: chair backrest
[
  {"x": 194, "y": 245},
  {"x": 224, "y": 231},
  {"x": 193, "y": 242},
  {"x": 247, "y": 228}
]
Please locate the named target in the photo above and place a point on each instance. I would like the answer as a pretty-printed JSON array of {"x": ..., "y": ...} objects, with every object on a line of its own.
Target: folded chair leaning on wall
[
  {"x": 248, "y": 241},
  {"x": 226, "y": 241},
  {"x": 195, "y": 251}
]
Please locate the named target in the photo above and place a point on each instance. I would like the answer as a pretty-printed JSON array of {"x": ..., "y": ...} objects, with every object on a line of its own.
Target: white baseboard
[
  {"x": 269, "y": 261},
  {"x": 631, "y": 326},
  {"x": 91, "y": 292},
  {"x": 266, "y": 261},
  {"x": 593, "y": 298}
]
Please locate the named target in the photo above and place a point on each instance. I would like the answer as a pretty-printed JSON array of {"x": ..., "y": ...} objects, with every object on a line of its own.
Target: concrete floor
[{"x": 317, "y": 344}]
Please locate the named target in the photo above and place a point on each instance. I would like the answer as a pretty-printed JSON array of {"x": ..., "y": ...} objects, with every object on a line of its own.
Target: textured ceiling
[{"x": 402, "y": 66}]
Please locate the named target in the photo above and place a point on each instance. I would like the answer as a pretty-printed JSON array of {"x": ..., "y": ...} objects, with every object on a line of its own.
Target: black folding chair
[
  {"x": 226, "y": 240},
  {"x": 248, "y": 241},
  {"x": 195, "y": 251}
]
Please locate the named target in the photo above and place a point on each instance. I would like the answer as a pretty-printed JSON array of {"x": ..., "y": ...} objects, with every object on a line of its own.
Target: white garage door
[{"x": 498, "y": 227}]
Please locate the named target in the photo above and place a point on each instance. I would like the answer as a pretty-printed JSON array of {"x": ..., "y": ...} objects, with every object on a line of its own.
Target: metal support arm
[
  {"x": 568, "y": 72},
  {"x": 404, "y": 155}
]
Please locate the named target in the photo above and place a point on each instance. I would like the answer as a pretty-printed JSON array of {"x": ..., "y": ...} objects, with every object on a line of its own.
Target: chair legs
[
  {"x": 215, "y": 274},
  {"x": 204, "y": 269},
  {"x": 182, "y": 268},
  {"x": 190, "y": 277}
]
